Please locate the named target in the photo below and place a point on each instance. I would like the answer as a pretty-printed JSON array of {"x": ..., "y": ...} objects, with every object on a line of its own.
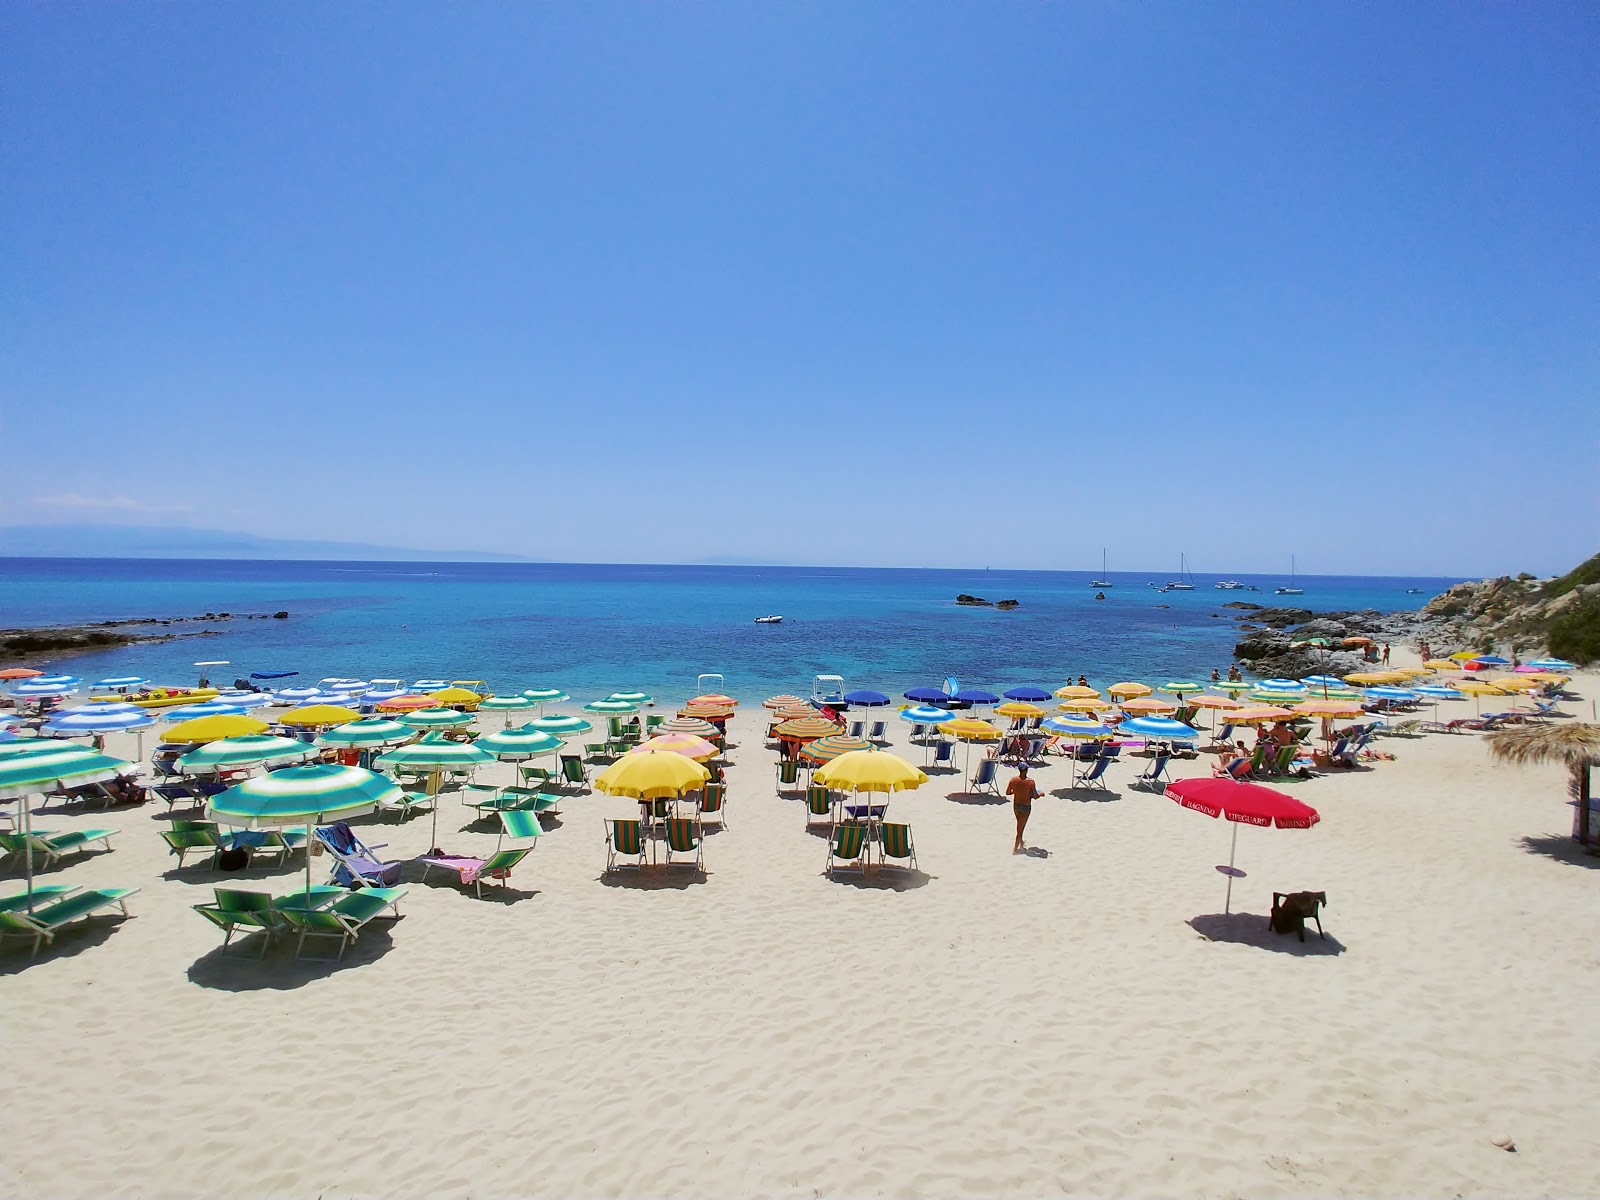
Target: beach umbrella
[
  {"x": 206, "y": 708},
  {"x": 245, "y": 751},
  {"x": 346, "y": 685},
  {"x": 1491, "y": 660},
  {"x": 11, "y": 673},
  {"x": 1181, "y": 687},
  {"x": 1281, "y": 685},
  {"x": 1230, "y": 686},
  {"x": 1394, "y": 694},
  {"x": 1128, "y": 690},
  {"x": 37, "y": 771},
  {"x": 1077, "y": 727},
  {"x": 975, "y": 696},
  {"x": 1020, "y": 709},
  {"x": 214, "y": 728},
  {"x": 706, "y": 712},
  {"x": 318, "y": 716},
  {"x": 1411, "y": 672},
  {"x": 968, "y": 730},
  {"x": 1573, "y": 744},
  {"x": 543, "y": 696},
  {"x": 926, "y": 695},
  {"x": 242, "y": 700},
  {"x": 1243, "y": 804},
  {"x": 1147, "y": 704},
  {"x": 376, "y": 696},
  {"x": 97, "y": 718},
  {"x": 652, "y": 775},
  {"x": 121, "y": 683},
  {"x": 783, "y": 701},
  {"x": 33, "y": 690},
  {"x": 826, "y": 749},
  {"x": 370, "y": 734},
  {"x": 690, "y": 725},
  {"x": 1319, "y": 683},
  {"x": 435, "y": 718},
  {"x": 1218, "y": 702},
  {"x": 434, "y": 753},
  {"x": 869, "y": 771},
  {"x": 926, "y": 714},
  {"x": 805, "y": 729},
  {"x": 39, "y": 745},
  {"x": 1369, "y": 678},
  {"x": 1436, "y": 691},
  {"x": 560, "y": 726},
  {"x": 296, "y": 694},
  {"x": 610, "y": 708},
  {"x": 1552, "y": 664},
  {"x": 521, "y": 742},
  {"x": 1442, "y": 664},
  {"x": 686, "y": 744},
  {"x": 797, "y": 710},
  {"x": 1546, "y": 676},
  {"x": 631, "y": 697},
  {"x": 455, "y": 695},
  {"x": 1076, "y": 691},
  {"x": 711, "y": 699},
  {"x": 64, "y": 681},
  {"x": 1328, "y": 709},
  {"x": 430, "y": 685},
  {"x": 865, "y": 699},
  {"x": 506, "y": 704},
  {"x": 1031, "y": 695},
  {"x": 1259, "y": 714},
  {"x": 1085, "y": 704},
  {"x": 406, "y": 703},
  {"x": 1264, "y": 696},
  {"x": 1159, "y": 728},
  {"x": 1514, "y": 683},
  {"x": 305, "y": 796}
]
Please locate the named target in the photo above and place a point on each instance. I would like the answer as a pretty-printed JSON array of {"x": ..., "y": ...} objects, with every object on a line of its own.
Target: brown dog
[{"x": 1291, "y": 910}]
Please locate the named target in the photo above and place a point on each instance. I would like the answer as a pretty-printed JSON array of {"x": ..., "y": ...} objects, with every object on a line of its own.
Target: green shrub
[{"x": 1575, "y": 634}]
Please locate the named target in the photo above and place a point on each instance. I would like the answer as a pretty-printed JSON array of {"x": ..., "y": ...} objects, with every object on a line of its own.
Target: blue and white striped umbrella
[
  {"x": 57, "y": 680},
  {"x": 346, "y": 686},
  {"x": 430, "y": 685},
  {"x": 322, "y": 698},
  {"x": 296, "y": 694},
  {"x": 1158, "y": 727},
  {"x": 1068, "y": 727},
  {"x": 34, "y": 690},
  {"x": 244, "y": 700},
  {"x": 926, "y": 714},
  {"x": 379, "y": 695},
  {"x": 122, "y": 682},
  {"x": 1391, "y": 693},
  {"x": 206, "y": 708},
  {"x": 1287, "y": 685},
  {"x": 1322, "y": 681},
  {"x": 1551, "y": 664},
  {"x": 1435, "y": 691},
  {"x": 98, "y": 718}
]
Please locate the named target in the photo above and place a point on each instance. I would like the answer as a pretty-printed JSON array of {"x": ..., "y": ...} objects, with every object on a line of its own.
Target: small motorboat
[
  {"x": 1413, "y": 591},
  {"x": 769, "y": 620},
  {"x": 1228, "y": 585}
]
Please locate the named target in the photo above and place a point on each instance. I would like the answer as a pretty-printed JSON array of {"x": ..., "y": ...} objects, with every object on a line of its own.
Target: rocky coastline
[{"x": 50, "y": 642}]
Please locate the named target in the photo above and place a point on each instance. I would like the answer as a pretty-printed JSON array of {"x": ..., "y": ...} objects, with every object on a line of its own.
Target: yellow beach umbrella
[
  {"x": 319, "y": 715},
  {"x": 1147, "y": 705},
  {"x": 1076, "y": 691},
  {"x": 1514, "y": 683},
  {"x": 1329, "y": 708},
  {"x": 1546, "y": 677},
  {"x": 1411, "y": 672},
  {"x": 1018, "y": 708},
  {"x": 651, "y": 775},
  {"x": 869, "y": 771},
  {"x": 968, "y": 729},
  {"x": 455, "y": 695},
  {"x": 1085, "y": 704},
  {"x": 1478, "y": 687},
  {"x": 1366, "y": 678},
  {"x": 1442, "y": 664},
  {"x": 213, "y": 729},
  {"x": 1204, "y": 701},
  {"x": 1465, "y": 655},
  {"x": 1128, "y": 689}
]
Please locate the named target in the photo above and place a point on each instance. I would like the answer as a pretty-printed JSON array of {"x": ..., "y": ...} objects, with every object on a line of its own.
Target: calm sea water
[{"x": 593, "y": 629}]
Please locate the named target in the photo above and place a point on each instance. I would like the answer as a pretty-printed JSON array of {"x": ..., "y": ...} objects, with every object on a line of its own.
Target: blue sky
[{"x": 885, "y": 284}]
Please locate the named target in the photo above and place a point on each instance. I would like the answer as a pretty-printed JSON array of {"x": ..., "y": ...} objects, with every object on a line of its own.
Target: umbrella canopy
[
  {"x": 1392, "y": 693},
  {"x": 1076, "y": 691},
  {"x": 1030, "y": 694},
  {"x": 506, "y": 703},
  {"x": 689, "y": 725},
  {"x": 1223, "y": 702},
  {"x": 686, "y": 744},
  {"x": 455, "y": 695},
  {"x": 869, "y": 771},
  {"x": 39, "y": 769},
  {"x": 1259, "y": 714},
  {"x": 1018, "y": 708},
  {"x": 434, "y": 718},
  {"x": 20, "y": 673},
  {"x": 206, "y": 708},
  {"x": 545, "y": 695},
  {"x": 1367, "y": 678},
  {"x": 782, "y": 701},
  {"x": 1181, "y": 687},
  {"x": 317, "y": 715},
  {"x": 247, "y": 750},
  {"x": 367, "y": 735},
  {"x": 1441, "y": 664},
  {"x": 1085, "y": 704},
  {"x": 1231, "y": 686},
  {"x": 1076, "y": 728},
  {"x": 211, "y": 729},
  {"x": 797, "y": 710},
  {"x": 71, "y": 681},
  {"x": 712, "y": 699},
  {"x": 122, "y": 681},
  {"x": 1475, "y": 687},
  {"x": 925, "y": 695},
  {"x": 434, "y": 753},
  {"x": 1514, "y": 683},
  {"x": 976, "y": 696},
  {"x": 429, "y": 685},
  {"x": 1128, "y": 690},
  {"x": 1491, "y": 660},
  {"x": 1552, "y": 664},
  {"x": 865, "y": 699},
  {"x": 346, "y": 685},
  {"x": 707, "y": 712},
  {"x": 926, "y": 714},
  {"x": 1147, "y": 704},
  {"x": 652, "y": 775},
  {"x": 803, "y": 729},
  {"x": 967, "y": 729},
  {"x": 518, "y": 743},
  {"x": 1281, "y": 685},
  {"x": 1158, "y": 727},
  {"x": 98, "y": 718},
  {"x": 1319, "y": 707},
  {"x": 244, "y": 700},
  {"x": 560, "y": 726},
  {"x": 405, "y": 704},
  {"x": 1266, "y": 696},
  {"x": 631, "y": 697},
  {"x": 826, "y": 749},
  {"x": 1243, "y": 804},
  {"x": 610, "y": 707},
  {"x": 297, "y": 694},
  {"x": 1435, "y": 691},
  {"x": 1574, "y": 745}
]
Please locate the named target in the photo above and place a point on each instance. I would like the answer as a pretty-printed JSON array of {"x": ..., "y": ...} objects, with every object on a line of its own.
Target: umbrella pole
[
  {"x": 1227, "y": 903},
  {"x": 433, "y": 791},
  {"x": 27, "y": 844}
]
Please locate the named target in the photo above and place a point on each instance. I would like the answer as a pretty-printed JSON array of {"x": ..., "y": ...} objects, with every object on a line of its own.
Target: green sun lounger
[
  {"x": 407, "y": 803},
  {"x": 343, "y": 919},
  {"x": 513, "y": 799},
  {"x": 184, "y": 837},
  {"x": 234, "y": 909},
  {"x": 45, "y": 921},
  {"x": 51, "y": 847},
  {"x": 42, "y": 895}
]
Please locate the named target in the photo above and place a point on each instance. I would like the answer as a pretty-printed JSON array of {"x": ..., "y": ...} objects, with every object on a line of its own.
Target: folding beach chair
[
  {"x": 407, "y": 803},
  {"x": 624, "y": 841},
  {"x": 1094, "y": 776},
  {"x": 788, "y": 773},
  {"x": 51, "y": 848},
  {"x": 685, "y": 836},
  {"x": 343, "y": 919},
  {"x": 819, "y": 805},
  {"x": 473, "y": 871},
  {"x": 179, "y": 793},
  {"x": 879, "y": 732},
  {"x": 714, "y": 803},
  {"x": 857, "y": 729},
  {"x": 355, "y": 865},
  {"x": 1154, "y": 777},
  {"x": 847, "y": 849},
  {"x": 983, "y": 779},
  {"x": 572, "y": 771},
  {"x": 183, "y": 837},
  {"x": 233, "y": 909},
  {"x": 45, "y": 921},
  {"x": 944, "y": 754},
  {"x": 894, "y": 841},
  {"x": 43, "y": 893}
]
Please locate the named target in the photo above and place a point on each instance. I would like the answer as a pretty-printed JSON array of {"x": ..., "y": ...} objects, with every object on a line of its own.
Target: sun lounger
[
  {"x": 894, "y": 841},
  {"x": 473, "y": 871},
  {"x": 625, "y": 844},
  {"x": 343, "y": 919},
  {"x": 686, "y": 836},
  {"x": 355, "y": 864},
  {"x": 45, "y": 921},
  {"x": 407, "y": 803},
  {"x": 1154, "y": 777},
  {"x": 847, "y": 849},
  {"x": 573, "y": 771},
  {"x": 233, "y": 909},
  {"x": 184, "y": 837},
  {"x": 50, "y": 848},
  {"x": 46, "y": 893},
  {"x": 819, "y": 805}
]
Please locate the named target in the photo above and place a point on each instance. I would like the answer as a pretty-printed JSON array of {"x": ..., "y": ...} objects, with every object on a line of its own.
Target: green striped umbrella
[
  {"x": 435, "y": 753},
  {"x": 511, "y": 745},
  {"x": 236, "y": 753},
  {"x": 435, "y": 718},
  {"x": 302, "y": 796},
  {"x": 543, "y": 696},
  {"x": 368, "y": 735},
  {"x": 561, "y": 726},
  {"x": 611, "y": 707},
  {"x": 1282, "y": 699},
  {"x": 506, "y": 704},
  {"x": 630, "y": 697},
  {"x": 35, "y": 745},
  {"x": 1178, "y": 687},
  {"x": 37, "y": 771},
  {"x": 1231, "y": 687}
]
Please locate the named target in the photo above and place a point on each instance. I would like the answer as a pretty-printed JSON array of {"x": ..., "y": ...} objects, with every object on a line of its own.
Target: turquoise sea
[{"x": 592, "y": 629}]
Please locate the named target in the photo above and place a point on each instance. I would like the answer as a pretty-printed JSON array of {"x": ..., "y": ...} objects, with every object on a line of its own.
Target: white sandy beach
[{"x": 1047, "y": 1024}]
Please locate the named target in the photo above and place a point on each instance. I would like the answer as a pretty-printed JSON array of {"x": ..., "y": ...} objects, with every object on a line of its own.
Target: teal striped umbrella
[
  {"x": 302, "y": 796},
  {"x": 35, "y": 745},
  {"x": 248, "y": 750},
  {"x": 561, "y": 726},
  {"x": 511, "y": 745},
  {"x": 367, "y": 735},
  {"x": 436, "y": 754},
  {"x": 507, "y": 705},
  {"x": 435, "y": 718},
  {"x": 631, "y": 697},
  {"x": 1178, "y": 687},
  {"x": 611, "y": 708},
  {"x": 38, "y": 771},
  {"x": 1280, "y": 698},
  {"x": 543, "y": 696}
]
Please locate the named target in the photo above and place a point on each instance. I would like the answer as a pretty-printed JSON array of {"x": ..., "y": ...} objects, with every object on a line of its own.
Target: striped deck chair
[
  {"x": 819, "y": 805},
  {"x": 234, "y": 909},
  {"x": 714, "y": 803},
  {"x": 686, "y": 836},
  {"x": 407, "y": 803},
  {"x": 46, "y": 920},
  {"x": 847, "y": 849},
  {"x": 894, "y": 841},
  {"x": 343, "y": 919},
  {"x": 183, "y": 837},
  {"x": 624, "y": 842},
  {"x": 653, "y": 722},
  {"x": 473, "y": 870},
  {"x": 51, "y": 848},
  {"x": 788, "y": 773},
  {"x": 533, "y": 775}
]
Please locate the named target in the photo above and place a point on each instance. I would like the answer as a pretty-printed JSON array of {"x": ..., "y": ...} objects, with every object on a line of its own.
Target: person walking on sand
[
  {"x": 1386, "y": 654},
  {"x": 1022, "y": 791}
]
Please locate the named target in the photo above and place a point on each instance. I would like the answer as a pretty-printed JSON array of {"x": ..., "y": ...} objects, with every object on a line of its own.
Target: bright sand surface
[{"x": 1050, "y": 1023}]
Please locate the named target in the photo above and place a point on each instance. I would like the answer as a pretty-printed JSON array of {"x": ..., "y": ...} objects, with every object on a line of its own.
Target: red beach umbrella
[{"x": 1243, "y": 804}]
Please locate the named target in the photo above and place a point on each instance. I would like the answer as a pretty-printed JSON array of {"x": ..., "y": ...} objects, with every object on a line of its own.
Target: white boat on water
[
  {"x": 1102, "y": 582},
  {"x": 769, "y": 620},
  {"x": 1228, "y": 585},
  {"x": 1184, "y": 582},
  {"x": 1291, "y": 590}
]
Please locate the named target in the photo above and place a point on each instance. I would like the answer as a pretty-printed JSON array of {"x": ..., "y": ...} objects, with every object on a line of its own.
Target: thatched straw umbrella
[{"x": 1572, "y": 743}]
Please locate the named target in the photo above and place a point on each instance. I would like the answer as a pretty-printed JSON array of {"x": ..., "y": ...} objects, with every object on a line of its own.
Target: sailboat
[
  {"x": 1291, "y": 590},
  {"x": 1184, "y": 582},
  {"x": 1102, "y": 582}
]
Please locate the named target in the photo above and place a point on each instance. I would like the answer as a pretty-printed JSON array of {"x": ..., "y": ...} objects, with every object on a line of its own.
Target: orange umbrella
[
  {"x": 804, "y": 729},
  {"x": 1128, "y": 689},
  {"x": 788, "y": 712},
  {"x": 1257, "y": 714},
  {"x": 1205, "y": 701},
  {"x": 712, "y": 698},
  {"x": 19, "y": 673},
  {"x": 1084, "y": 704},
  {"x": 405, "y": 703},
  {"x": 1076, "y": 691},
  {"x": 783, "y": 701},
  {"x": 1329, "y": 708},
  {"x": 706, "y": 712}
]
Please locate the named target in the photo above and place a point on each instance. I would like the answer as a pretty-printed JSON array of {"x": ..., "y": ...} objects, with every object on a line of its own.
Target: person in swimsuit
[{"x": 1022, "y": 791}]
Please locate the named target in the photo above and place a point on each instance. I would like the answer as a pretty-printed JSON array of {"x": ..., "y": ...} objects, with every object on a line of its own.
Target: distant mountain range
[{"x": 163, "y": 541}]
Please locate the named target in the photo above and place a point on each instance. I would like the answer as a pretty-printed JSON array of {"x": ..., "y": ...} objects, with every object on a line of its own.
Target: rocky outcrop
[
  {"x": 1527, "y": 615},
  {"x": 971, "y": 601},
  {"x": 60, "y": 641}
]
